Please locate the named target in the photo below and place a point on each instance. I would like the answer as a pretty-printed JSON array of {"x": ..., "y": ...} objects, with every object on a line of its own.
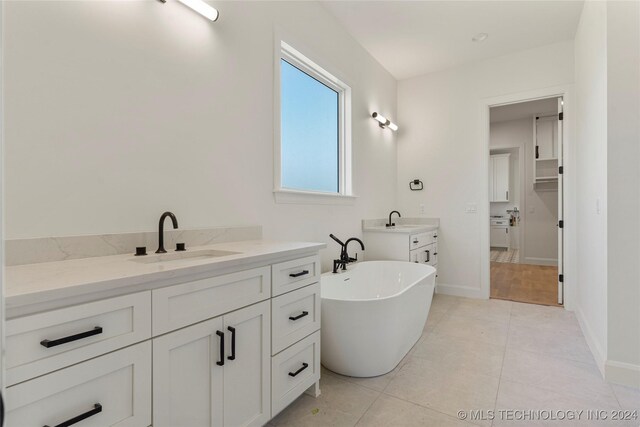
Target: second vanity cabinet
[{"x": 228, "y": 349}]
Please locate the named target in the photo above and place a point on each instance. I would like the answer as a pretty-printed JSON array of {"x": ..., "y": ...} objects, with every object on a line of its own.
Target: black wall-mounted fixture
[
  {"x": 383, "y": 122},
  {"x": 416, "y": 185},
  {"x": 201, "y": 7}
]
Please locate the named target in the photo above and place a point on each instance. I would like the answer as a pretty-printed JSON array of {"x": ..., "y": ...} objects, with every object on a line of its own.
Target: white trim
[
  {"x": 306, "y": 63},
  {"x": 622, "y": 373},
  {"x": 312, "y": 197},
  {"x": 564, "y": 91},
  {"x": 459, "y": 291}
]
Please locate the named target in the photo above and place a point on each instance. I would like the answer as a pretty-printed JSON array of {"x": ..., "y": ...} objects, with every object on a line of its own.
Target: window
[{"x": 313, "y": 143}]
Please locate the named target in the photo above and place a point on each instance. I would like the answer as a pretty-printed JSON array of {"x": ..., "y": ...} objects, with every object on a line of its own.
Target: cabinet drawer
[
  {"x": 44, "y": 342},
  {"x": 294, "y": 316},
  {"x": 295, "y": 274},
  {"x": 111, "y": 390},
  {"x": 182, "y": 305},
  {"x": 425, "y": 255},
  {"x": 288, "y": 378},
  {"x": 422, "y": 239}
]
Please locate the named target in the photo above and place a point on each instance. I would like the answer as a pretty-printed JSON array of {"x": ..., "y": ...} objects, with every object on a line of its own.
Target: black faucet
[
  {"x": 344, "y": 256},
  {"x": 391, "y": 224},
  {"x": 174, "y": 220}
]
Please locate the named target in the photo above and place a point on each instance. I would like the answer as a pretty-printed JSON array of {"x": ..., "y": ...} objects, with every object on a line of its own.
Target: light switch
[{"x": 471, "y": 208}]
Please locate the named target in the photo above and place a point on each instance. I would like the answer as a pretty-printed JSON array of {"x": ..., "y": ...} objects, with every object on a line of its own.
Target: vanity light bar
[
  {"x": 201, "y": 7},
  {"x": 383, "y": 122}
]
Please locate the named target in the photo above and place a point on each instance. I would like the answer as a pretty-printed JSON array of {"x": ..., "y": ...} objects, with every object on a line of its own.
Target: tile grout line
[{"x": 504, "y": 355}]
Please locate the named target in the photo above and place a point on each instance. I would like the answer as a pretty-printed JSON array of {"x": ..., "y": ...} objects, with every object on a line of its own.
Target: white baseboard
[
  {"x": 596, "y": 350},
  {"x": 622, "y": 373},
  {"x": 459, "y": 291},
  {"x": 540, "y": 261}
]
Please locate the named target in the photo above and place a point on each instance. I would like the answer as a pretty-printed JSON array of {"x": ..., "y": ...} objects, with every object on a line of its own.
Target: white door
[
  {"x": 247, "y": 369},
  {"x": 188, "y": 376},
  {"x": 560, "y": 205}
]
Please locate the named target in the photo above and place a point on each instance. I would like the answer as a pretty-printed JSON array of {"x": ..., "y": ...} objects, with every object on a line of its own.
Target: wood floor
[{"x": 535, "y": 284}]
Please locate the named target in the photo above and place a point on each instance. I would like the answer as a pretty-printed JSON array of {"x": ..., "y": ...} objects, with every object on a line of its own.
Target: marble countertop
[
  {"x": 404, "y": 228},
  {"x": 40, "y": 283},
  {"x": 403, "y": 225}
]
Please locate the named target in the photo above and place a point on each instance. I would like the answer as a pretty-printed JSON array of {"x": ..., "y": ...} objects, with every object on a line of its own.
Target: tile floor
[
  {"x": 536, "y": 284},
  {"x": 493, "y": 355}
]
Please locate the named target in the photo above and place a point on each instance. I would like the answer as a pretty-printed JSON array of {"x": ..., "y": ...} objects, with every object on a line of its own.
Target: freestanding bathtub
[{"x": 373, "y": 314}]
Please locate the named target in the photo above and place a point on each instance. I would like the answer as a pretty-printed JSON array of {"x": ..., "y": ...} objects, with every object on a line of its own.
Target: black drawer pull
[
  {"x": 97, "y": 408},
  {"x": 299, "y": 316},
  {"x": 428, "y": 256},
  {"x": 304, "y": 366},
  {"x": 233, "y": 343},
  {"x": 221, "y": 361},
  {"x": 52, "y": 343},
  {"x": 415, "y": 241},
  {"x": 302, "y": 273}
]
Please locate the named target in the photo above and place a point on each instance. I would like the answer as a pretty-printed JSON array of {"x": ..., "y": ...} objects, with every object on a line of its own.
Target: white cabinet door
[
  {"x": 187, "y": 376},
  {"x": 492, "y": 184},
  {"x": 499, "y": 237},
  {"x": 501, "y": 178},
  {"x": 247, "y": 369}
]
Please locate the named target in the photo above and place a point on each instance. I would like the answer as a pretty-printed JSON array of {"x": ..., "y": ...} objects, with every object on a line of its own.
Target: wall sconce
[
  {"x": 383, "y": 122},
  {"x": 201, "y": 7}
]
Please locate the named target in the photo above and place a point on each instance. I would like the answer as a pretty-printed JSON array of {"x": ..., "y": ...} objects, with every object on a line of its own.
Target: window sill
[{"x": 312, "y": 198}]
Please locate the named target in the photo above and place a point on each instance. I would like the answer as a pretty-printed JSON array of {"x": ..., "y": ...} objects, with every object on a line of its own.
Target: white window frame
[{"x": 345, "y": 190}]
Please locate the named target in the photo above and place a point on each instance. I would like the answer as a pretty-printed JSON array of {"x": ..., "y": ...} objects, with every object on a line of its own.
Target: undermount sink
[{"x": 182, "y": 256}]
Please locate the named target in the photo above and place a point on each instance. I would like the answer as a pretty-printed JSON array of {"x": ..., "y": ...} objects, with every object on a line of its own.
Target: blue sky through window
[{"x": 309, "y": 132}]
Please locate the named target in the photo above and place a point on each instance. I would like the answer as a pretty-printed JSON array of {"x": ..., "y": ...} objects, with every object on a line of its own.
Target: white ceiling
[
  {"x": 411, "y": 38},
  {"x": 524, "y": 110}
]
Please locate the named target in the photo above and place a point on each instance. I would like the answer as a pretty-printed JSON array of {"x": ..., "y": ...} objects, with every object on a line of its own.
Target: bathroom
[{"x": 114, "y": 112}]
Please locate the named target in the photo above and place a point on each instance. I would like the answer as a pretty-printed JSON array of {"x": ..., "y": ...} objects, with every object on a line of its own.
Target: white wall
[
  {"x": 538, "y": 205},
  {"x": 117, "y": 111},
  {"x": 623, "y": 193},
  {"x": 608, "y": 132},
  {"x": 591, "y": 155},
  {"x": 441, "y": 143}
]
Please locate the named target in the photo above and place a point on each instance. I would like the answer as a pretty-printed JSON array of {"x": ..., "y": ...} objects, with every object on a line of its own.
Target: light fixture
[
  {"x": 201, "y": 7},
  {"x": 383, "y": 122},
  {"x": 480, "y": 37}
]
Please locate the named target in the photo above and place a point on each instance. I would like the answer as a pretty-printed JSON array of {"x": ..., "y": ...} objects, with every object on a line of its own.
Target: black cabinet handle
[
  {"x": 233, "y": 343},
  {"x": 304, "y": 366},
  {"x": 97, "y": 408},
  {"x": 428, "y": 256},
  {"x": 221, "y": 361},
  {"x": 302, "y": 273},
  {"x": 52, "y": 343},
  {"x": 435, "y": 253},
  {"x": 435, "y": 236},
  {"x": 415, "y": 241},
  {"x": 299, "y": 316}
]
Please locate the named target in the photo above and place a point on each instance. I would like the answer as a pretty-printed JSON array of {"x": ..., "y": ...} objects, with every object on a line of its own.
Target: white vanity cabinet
[
  {"x": 415, "y": 246},
  {"x": 219, "y": 347},
  {"x": 215, "y": 373}
]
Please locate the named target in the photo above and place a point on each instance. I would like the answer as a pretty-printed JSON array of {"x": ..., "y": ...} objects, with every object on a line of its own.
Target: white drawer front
[
  {"x": 181, "y": 305},
  {"x": 295, "y": 274},
  {"x": 426, "y": 254},
  {"x": 92, "y": 329},
  {"x": 294, "y": 316},
  {"x": 422, "y": 239},
  {"x": 285, "y": 388},
  {"x": 120, "y": 382}
]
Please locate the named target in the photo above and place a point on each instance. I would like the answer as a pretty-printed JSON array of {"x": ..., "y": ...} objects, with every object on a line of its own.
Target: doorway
[{"x": 525, "y": 199}]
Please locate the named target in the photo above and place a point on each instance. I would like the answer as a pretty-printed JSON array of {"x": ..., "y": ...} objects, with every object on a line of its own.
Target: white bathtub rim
[{"x": 364, "y": 300}]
